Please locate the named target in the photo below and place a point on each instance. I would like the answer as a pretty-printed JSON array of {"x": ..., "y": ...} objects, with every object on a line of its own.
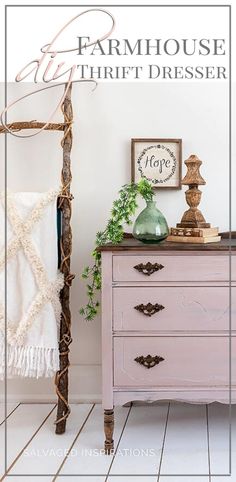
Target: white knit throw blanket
[{"x": 33, "y": 285}]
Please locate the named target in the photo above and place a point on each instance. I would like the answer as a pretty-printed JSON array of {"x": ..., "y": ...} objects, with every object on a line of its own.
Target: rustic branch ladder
[{"x": 64, "y": 205}]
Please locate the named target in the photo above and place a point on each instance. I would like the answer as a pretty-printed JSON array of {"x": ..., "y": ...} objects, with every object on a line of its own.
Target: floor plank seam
[
  {"x": 118, "y": 443},
  {"x": 163, "y": 443},
  {"x": 9, "y": 414},
  {"x": 72, "y": 445},
  {"x": 5, "y": 421},
  {"x": 210, "y": 434},
  {"x": 7, "y": 470}
]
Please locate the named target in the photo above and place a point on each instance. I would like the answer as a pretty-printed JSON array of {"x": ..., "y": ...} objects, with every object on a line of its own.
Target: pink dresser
[{"x": 166, "y": 324}]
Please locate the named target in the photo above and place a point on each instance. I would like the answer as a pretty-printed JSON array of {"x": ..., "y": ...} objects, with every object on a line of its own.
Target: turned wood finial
[
  {"x": 193, "y": 216},
  {"x": 193, "y": 176}
]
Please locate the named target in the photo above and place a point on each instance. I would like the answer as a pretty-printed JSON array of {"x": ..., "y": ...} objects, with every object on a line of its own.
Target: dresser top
[{"x": 131, "y": 244}]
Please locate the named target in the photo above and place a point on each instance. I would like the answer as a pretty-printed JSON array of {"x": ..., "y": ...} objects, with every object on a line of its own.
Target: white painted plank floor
[{"x": 161, "y": 442}]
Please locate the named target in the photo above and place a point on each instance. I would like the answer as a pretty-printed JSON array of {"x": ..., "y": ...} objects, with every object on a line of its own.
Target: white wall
[{"x": 104, "y": 122}]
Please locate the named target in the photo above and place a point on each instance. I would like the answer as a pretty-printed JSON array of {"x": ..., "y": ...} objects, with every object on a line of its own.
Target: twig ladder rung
[{"x": 64, "y": 204}]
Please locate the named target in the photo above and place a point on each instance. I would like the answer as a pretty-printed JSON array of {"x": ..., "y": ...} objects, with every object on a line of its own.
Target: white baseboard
[{"x": 84, "y": 386}]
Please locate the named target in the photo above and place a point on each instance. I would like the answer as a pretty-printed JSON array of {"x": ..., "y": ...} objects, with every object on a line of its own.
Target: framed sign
[{"x": 157, "y": 160}]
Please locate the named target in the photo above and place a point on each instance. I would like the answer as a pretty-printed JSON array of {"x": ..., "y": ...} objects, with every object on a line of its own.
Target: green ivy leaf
[{"x": 123, "y": 208}]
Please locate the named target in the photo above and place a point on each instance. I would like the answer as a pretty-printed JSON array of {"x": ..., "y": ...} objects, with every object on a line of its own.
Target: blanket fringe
[{"x": 29, "y": 361}]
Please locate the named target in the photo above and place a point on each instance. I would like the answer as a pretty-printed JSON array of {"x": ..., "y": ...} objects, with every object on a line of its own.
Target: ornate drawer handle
[
  {"x": 149, "y": 361},
  {"x": 148, "y": 268},
  {"x": 149, "y": 309}
]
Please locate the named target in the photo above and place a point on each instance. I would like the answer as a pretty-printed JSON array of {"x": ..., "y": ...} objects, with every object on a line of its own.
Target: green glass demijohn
[{"x": 150, "y": 225}]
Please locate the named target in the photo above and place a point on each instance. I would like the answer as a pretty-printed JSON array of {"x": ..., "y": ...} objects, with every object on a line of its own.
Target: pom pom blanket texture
[{"x": 33, "y": 284}]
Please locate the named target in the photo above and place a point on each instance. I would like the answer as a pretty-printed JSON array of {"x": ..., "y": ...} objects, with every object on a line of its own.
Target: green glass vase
[{"x": 150, "y": 225}]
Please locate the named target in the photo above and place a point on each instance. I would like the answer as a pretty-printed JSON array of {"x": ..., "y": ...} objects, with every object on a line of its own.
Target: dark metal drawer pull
[
  {"x": 148, "y": 268},
  {"x": 149, "y": 361},
  {"x": 149, "y": 309}
]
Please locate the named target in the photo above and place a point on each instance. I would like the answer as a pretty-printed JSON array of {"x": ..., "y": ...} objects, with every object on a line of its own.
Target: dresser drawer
[
  {"x": 188, "y": 361},
  {"x": 195, "y": 267},
  {"x": 172, "y": 308}
]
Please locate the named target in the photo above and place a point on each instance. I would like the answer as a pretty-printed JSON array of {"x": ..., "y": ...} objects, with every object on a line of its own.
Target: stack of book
[{"x": 194, "y": 235}]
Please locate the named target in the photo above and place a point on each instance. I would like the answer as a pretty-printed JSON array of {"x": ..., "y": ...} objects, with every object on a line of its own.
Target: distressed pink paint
[
  {"x": 188, "y": 361},
  {"x": 197, "y": 267},
  {"x": 186, "y": 308},
  {"x": 191, "y": 333}
]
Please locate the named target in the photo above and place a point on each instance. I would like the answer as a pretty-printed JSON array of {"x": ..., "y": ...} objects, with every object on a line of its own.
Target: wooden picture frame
[{"x": 157, "y": 160}]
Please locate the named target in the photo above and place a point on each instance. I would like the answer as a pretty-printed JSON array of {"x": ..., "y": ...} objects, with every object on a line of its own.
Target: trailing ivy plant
[{"x": 122, "y": 211}]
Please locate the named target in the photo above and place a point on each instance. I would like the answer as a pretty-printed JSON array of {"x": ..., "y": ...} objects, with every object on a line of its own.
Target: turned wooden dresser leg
[{"x": 108, "y": 429}]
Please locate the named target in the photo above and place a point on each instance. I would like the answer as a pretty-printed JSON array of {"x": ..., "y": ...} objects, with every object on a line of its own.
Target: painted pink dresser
[{"x": 166, "y": 324}]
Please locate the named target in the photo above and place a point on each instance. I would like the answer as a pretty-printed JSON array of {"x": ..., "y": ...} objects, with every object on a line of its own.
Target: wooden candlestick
[{"x": 193, "y": 218}]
